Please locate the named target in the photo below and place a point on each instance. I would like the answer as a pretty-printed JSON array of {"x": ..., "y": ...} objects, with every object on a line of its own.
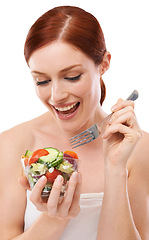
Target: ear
[{"x": 105, "y": 64}]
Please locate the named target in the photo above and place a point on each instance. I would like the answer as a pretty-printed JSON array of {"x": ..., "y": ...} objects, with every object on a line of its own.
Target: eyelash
[
  {"x": 42, "y": 83},
  {"x": 66, "y": 78},
  {"x": 73, "y": 78}
]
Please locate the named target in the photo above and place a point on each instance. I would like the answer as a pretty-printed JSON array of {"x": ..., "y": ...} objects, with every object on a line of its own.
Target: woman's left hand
[{"x": 121, "y": 134}]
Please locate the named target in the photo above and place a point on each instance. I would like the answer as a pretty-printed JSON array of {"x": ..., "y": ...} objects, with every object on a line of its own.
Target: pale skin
[{"x": 121, "y": 171}]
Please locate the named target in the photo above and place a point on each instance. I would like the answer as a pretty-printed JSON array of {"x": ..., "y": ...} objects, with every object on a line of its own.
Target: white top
[{"x": 82, "y": 227}]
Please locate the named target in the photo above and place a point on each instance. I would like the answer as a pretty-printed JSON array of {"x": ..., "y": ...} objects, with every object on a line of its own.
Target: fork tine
[
  {"x": 87, "y": 131},
  {"x": 90, "y": 134},
  {"x": 79, "y": 138},
  {"x": 80, "y": 134},
  {"x": 82, "y": 140},
  {"x": 78, "y": 145}
]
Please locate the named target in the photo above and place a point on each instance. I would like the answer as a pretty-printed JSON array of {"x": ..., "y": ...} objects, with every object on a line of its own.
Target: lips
[
  {"x": 67, "y": 112},
  {"x": 66, "y": 108}
]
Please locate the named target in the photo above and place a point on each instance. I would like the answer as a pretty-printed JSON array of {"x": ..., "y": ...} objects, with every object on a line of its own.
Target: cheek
[
  {"x": 90, "y": 89},
  {"x": 96, "y": 91},
  {"x": 38, "y": 92},
  {"x": 42, "y": 93}
]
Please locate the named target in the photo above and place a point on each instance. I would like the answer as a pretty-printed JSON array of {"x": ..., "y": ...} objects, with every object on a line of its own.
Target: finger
[
  {"x": 129, "y": 133},
  {"x": 68, "y": 198},
  {"x": 127, "y": 118},
  {"x": 75, "y": 208},
  {"x": 24, "y": 182},
  {"x": 122, "y": 104},
  {"x": 35, "y": 196},
  {"x": 120, "y": 100},
  {"x": 119, "y": 113},
  {"x": 54, "y": 198}
]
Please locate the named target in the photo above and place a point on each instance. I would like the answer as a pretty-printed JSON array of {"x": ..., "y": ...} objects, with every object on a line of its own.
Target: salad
[{"x": 49, "y": 162}]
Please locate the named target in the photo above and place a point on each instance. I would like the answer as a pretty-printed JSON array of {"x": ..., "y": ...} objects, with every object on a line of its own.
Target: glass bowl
[{"x": 64, "y": 166}]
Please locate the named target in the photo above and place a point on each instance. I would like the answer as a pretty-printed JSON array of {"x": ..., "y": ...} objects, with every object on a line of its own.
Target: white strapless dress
[{"x": 84, "y": 226}]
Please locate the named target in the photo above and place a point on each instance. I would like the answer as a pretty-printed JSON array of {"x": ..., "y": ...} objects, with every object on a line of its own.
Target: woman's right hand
[
  {"x": 65, "y": 207},
  {"x": 24, "y": 182}
]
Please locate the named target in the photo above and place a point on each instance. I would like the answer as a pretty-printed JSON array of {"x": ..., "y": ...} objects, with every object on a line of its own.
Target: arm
[
  {"x": 120, "y": 139},
  {"x": 13, "y": 197},
  {"x": 116, "y": 220},
  {"x": 138, "y": 187},
  {"x": 44, "y": 228}
]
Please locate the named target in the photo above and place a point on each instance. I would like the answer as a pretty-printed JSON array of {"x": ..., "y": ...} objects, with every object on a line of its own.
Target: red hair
[{"x": 72, "y": 25}]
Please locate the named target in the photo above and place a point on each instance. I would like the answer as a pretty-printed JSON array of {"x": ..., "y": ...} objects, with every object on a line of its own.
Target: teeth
[{"x": 65, "y": 108}]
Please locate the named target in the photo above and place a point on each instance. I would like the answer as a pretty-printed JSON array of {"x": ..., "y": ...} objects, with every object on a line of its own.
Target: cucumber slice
[
  {"x": 28, "y": 153},
  {"x": 56, "y": 162},
  {"x": 51, "y": 161},
  {"x": 41, "y": 161},
  {"x": 52, "y": 151},
  {"x": 47, "y": 158},
  {"x": 53, "y": 154}
]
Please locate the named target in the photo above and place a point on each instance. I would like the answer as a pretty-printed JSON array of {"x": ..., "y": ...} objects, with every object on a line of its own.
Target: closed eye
[
  {"x": 42, "y": 82},
  {"x": 73, "y": 78}
]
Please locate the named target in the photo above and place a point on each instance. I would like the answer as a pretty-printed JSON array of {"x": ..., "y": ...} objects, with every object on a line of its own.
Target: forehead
[{"x": 57, "y": 56}]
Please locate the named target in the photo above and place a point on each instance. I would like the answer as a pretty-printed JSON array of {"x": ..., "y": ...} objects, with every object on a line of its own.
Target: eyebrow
[
  {"x": 62, "y": 71},
  {"x": 70, "y": 67}
]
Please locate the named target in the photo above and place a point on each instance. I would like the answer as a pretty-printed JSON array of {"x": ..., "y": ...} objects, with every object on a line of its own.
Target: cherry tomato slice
[
  {"x": 52, "y": 176},
  {"x": 72, "y": 154},
  {"x": 37, "y": 154}
]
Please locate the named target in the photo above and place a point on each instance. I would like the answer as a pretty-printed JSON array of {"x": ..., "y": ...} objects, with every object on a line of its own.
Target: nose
[{"x": 58, "y": 92}]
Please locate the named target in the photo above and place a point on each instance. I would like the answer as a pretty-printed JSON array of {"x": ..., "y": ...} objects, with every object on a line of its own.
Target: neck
[{"x": 69, "y": 129}]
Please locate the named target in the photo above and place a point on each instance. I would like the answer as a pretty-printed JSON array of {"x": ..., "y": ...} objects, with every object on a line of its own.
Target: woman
[{"x": 66, "y": 53}]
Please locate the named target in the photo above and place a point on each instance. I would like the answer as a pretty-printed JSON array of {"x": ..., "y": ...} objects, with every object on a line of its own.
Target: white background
[{"x": 126, "y": 28}]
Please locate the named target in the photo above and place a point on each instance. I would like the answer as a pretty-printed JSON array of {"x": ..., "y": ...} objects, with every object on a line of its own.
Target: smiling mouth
[{"x": 67, "y": 110}]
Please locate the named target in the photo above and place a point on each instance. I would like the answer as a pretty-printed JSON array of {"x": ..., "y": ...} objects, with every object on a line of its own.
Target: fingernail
[
  {"x": 109, "y": 121},
  {"x": 43, "y": 178},
  {"x": 75, "y": 175},
  {"x": 59, "y": 178},
  {"x": 103, "y": 136},
  {"x": 114, "y": 108}
]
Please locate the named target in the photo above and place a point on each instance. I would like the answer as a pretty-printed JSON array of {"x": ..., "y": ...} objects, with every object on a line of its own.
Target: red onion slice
[{"x": 37, "y": 176}]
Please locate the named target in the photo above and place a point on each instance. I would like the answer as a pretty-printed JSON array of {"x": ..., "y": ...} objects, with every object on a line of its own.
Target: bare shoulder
[
  {"x": 143, "y": 143},
  {"x": 13, "y": 143},
  {"x": 21, "y": 135},
  {"x": 138, "y": 187},
  {"x": 14, "y": 138},
  {"x": 141, "y": 152}
]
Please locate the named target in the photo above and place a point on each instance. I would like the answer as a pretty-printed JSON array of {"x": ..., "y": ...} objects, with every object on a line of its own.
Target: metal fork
[{"x": 93, "y": 132}]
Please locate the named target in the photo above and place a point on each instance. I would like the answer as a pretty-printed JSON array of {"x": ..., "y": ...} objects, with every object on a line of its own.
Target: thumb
[
  {"x": 115, "y": 107},
  {"x": 24, "y": 182}
]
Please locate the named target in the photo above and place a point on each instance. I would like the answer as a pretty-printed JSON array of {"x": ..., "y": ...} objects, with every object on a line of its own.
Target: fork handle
[{"x": 133, "y": 96}]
